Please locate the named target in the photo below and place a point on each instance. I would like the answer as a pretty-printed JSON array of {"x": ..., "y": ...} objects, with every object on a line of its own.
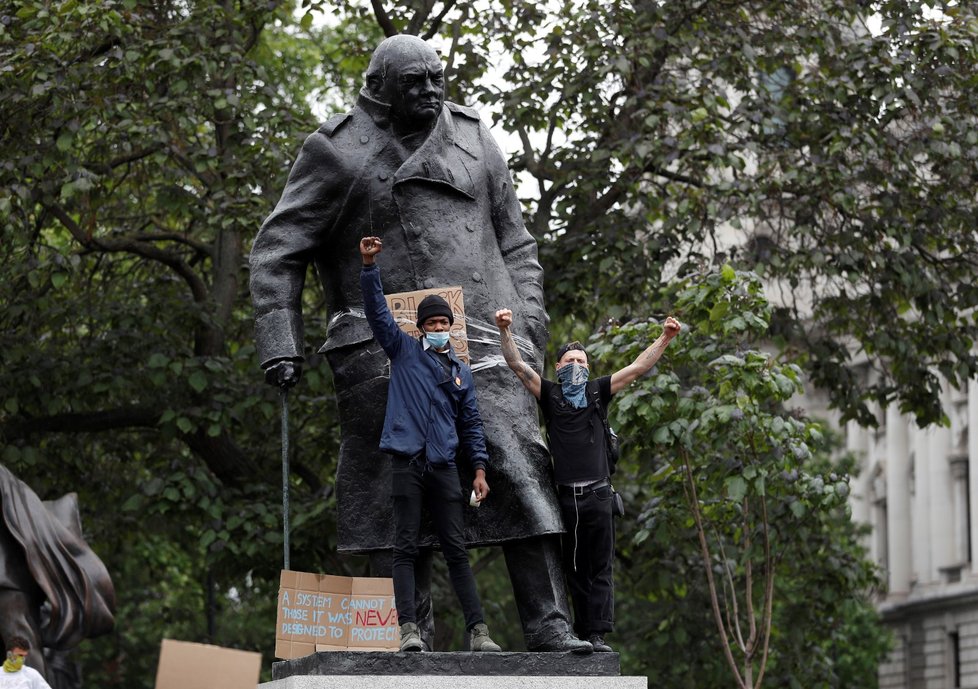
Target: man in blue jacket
[{"x": 431, "y": 415}]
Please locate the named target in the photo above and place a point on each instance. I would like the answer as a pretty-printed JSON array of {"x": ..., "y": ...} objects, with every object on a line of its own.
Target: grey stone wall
[{"x": 935, "y": 644}]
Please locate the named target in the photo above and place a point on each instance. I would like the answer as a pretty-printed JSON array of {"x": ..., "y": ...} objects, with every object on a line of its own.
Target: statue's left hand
[{"x": 284, "y": 373}]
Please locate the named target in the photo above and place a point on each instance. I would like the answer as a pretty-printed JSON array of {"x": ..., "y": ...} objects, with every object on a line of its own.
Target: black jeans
[
  {"x": 414, "y": 482},
  {"x": 589, "y": 552}
]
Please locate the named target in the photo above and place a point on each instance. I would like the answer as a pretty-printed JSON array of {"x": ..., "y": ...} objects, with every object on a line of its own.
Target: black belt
[{"x": 581, "y": 490}]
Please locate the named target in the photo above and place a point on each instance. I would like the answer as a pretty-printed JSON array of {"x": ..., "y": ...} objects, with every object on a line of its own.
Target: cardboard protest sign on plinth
[
  {"x": 185, "y": 665},
  {"x": 374, "y": 625},
  {"x": 404, "y": 308},
  {"x": 320, "y": 612}
]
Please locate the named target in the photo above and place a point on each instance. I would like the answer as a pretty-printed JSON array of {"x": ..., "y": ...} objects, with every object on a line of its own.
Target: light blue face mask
[
  {"x": 437, "y": 340},
  {"x": 572, "y": 379}
]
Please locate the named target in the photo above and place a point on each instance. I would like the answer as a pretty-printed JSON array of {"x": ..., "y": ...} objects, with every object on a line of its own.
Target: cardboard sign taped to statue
[
  {"x": 404, "y": 308},
  {"x": 321, "y": 612}
]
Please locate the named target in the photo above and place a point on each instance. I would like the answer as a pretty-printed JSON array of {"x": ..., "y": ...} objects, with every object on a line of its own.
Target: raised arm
[
  {"x": 523, "y": 371},
  {"x": 646, "y": 360},
  {"x": 379, "y": 318}
]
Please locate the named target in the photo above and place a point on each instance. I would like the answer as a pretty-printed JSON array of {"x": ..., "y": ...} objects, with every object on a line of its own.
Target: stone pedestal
[{"x": 461, "y": 670}]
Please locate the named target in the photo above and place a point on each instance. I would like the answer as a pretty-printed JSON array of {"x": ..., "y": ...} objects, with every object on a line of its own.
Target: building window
[
  {"x": 960, "y": 496},
  {"x": 879, "y": 517},
  {"x": 954, "y": 660},
  {"x": 912, "y": 470},
  {"x": 882, "y": 551}
]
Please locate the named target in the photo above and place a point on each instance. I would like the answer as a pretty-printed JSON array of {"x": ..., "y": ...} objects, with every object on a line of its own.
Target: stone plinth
[
  {"x": 366, "y": 670},
  {"x": 450, "y": 664},
  {"x": 448, "y": 682}
]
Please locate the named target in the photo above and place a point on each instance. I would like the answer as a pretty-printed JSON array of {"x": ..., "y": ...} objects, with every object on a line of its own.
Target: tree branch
[
  {"x": 221, "y": 455},
  {"x": 528, "y": 158},
  {"x": 674, "y": 176},
  {"x": 491, "y": 556},
  {"x": 689, "y": 488},
  {"x": 383, "y": 19},
  {"x": 768, "y": 595},
  {"x": 83, "y": 422},
  {"x": 197, "y": 286},
  {"x": 256, "y": 28},
  {"x": 131, "y": 157},
  {"x": 207, "y": 180},
  {"x": 729, "y": 581},
  {"x": 452, "y": 50},
  {"x": 749, "y": 586},
  {"x": 421, "y": 13},
  {"x": 436, "y": 22},
  {"x": 199, "y": 247}
]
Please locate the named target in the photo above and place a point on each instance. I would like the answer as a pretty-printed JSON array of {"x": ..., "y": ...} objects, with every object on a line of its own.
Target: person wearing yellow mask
[{"x": 15, "y": 674}]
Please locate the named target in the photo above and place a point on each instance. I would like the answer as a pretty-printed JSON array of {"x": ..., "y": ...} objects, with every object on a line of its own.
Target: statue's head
[{"x": 406, "y": 73}]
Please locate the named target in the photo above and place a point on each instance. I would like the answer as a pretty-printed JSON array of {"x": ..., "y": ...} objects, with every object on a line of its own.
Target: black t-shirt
[
  {"x": 576, "y": 436},
  {"x": 445, "y": 360}
]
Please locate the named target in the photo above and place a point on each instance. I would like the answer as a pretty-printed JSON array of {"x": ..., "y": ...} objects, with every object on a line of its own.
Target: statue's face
[
  {"x": 418, "y": 92},
  {"x": 406, "y": 73}
]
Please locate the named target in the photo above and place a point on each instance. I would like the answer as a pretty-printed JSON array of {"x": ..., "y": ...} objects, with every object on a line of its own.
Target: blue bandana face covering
[
  {"x": 437, "y": 340},
  {"x": 572, "y": 378}
]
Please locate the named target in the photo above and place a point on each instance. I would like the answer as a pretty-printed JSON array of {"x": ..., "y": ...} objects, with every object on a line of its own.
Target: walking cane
[{"x": 285, "y": 473}]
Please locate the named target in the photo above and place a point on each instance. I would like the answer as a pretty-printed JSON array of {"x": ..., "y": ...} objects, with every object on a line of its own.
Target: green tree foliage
[
  {"x": 142, "y": 146},
  {"x": 735, "y": 502},
  {"x": 845, "y": 154}
]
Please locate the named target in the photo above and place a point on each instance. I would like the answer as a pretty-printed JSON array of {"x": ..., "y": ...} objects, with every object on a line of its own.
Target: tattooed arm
[
  {"x": 646, "y": 360},
  {"x": 529, "y": 377}
]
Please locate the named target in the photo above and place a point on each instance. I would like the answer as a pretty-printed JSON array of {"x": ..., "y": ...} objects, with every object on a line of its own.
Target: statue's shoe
[{"x": 563, "y": 643}]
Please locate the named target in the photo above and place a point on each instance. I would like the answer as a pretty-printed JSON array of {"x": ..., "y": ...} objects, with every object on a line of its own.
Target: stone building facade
[{"x": 916, "y": 490}]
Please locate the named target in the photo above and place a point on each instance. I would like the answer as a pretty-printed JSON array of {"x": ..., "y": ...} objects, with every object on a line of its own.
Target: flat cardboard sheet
[
  {"x": 404, "y": 308},
  {"x": 186, "y": 665},
  {"x": 320, "y": 612}
]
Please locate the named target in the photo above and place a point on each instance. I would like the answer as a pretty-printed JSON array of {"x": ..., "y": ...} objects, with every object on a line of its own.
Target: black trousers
[
  {"x": 414, "y": 482},
  {"x": 537, "y": 575},
  {"x": 588, "y": 554}
]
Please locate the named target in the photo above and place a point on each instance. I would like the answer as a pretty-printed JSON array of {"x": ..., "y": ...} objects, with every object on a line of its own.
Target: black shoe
[
  {"x": 563, "y": 643},
  {"x": 598, "y": 644}
]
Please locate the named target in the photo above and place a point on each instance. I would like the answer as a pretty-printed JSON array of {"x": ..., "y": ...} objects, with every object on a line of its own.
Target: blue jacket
[{"x": 427, "y": 410}]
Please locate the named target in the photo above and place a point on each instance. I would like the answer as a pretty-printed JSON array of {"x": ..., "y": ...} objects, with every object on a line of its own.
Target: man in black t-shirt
[{"x": 576, "y": 435}]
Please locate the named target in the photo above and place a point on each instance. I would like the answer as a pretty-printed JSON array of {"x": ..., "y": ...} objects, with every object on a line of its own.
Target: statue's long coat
[{"x": 448, "y": 215}]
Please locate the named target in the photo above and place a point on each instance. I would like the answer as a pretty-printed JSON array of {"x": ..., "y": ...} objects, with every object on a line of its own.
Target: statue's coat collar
[{"x": 436, "y": 160}]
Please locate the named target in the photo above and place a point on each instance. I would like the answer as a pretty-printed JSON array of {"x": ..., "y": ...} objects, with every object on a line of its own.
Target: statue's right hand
[{"x": 284, "y": 374}]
